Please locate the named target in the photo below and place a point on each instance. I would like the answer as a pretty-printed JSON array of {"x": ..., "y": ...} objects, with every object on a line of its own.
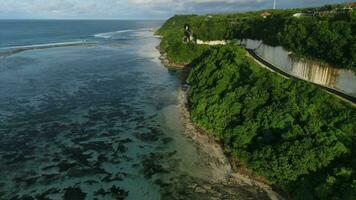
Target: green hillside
[
  {"x": 294, "y": 134},
  {"x": 327, "y": 37}
]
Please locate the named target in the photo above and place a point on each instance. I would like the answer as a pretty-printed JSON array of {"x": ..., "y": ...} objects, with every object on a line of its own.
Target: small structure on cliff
[
  {"x": 264, "y": 15},
  {"x": 188, "y": 34},
  {"x": 307, "y": 14}
]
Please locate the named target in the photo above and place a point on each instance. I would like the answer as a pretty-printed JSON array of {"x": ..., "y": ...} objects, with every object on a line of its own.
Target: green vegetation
[
  {"x": 331, "y": 38},
  {"x": 172, "y": 41},
  {"x": 298, "y": 136},
  {"x": 294, "y": 134}
]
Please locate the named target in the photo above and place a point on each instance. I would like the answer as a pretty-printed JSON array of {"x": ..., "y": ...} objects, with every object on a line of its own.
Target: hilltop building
[
  {"x": 343, "y": 10},
  {"x": 328, "y": 10},
  {"x": 265, "y": 14}
]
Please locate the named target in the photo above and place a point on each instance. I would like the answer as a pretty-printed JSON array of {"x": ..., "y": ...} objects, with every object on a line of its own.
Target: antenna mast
[{"x": 274, "y": 4}]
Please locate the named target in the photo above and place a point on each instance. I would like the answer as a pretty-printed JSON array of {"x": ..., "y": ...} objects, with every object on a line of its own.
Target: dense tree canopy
[
  {"x": 172, "y": 41},
  {"x": 330, "y": 38},
  {"x": 289, "y": 131}
]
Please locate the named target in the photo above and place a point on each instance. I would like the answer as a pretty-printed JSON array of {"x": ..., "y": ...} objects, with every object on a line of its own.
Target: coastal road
[{"x": 338, "y": 93}]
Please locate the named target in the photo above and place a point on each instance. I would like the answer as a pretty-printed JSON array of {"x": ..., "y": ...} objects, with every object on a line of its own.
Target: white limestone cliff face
[{"x": 213, "y": 42}]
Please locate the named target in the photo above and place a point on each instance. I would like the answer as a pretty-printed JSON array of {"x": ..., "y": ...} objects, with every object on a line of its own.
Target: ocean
[{"x": 87, "y": 111}]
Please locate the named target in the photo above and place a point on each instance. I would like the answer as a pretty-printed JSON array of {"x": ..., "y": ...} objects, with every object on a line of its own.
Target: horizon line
[{"x": 113, "y": 19}]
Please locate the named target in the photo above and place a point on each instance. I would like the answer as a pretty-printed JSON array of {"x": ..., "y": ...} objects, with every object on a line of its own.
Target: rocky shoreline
[
  {"x": 225, "y": 170},
  {"x": 166, "y": 62},
  {"x": 228, "y": 176}
]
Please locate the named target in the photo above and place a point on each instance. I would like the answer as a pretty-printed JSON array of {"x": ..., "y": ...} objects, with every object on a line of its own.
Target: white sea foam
[
  {"x": 111, "y": 34},
  {"x": 34, "y": 46},
  {"x": 6, "y": 51},
  {"x": 125, "y": 34}
]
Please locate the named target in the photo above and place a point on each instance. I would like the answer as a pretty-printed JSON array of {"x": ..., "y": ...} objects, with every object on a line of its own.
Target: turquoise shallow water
[
  {"x": 94, "y": 119},
  {"x": 89, "y": 120},
  {"x": 84, "y": 120}
]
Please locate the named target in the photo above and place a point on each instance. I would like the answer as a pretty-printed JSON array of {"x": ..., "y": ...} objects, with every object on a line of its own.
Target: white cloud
[
  {"x": 192, "y": 1},
  {"x": 135, "y": 8}
]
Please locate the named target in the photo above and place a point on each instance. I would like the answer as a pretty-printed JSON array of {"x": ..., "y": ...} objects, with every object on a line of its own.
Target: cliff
[
  {"x": 327, "y": 38},
  {"x": 295, "y": 135}
]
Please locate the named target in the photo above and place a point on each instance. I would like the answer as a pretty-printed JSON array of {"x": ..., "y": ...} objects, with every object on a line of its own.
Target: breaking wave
[
  {"x": 125, "y": 34},
  {"x": 7, "y": 51},
  {"x": 111, "y": 34}
]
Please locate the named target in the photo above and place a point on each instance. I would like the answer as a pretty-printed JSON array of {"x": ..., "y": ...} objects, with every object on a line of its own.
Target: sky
[{"x": 137, "y": 9}]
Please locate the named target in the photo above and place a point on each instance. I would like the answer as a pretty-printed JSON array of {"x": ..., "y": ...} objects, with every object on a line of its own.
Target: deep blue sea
[{"x": 87, "y": 111}]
